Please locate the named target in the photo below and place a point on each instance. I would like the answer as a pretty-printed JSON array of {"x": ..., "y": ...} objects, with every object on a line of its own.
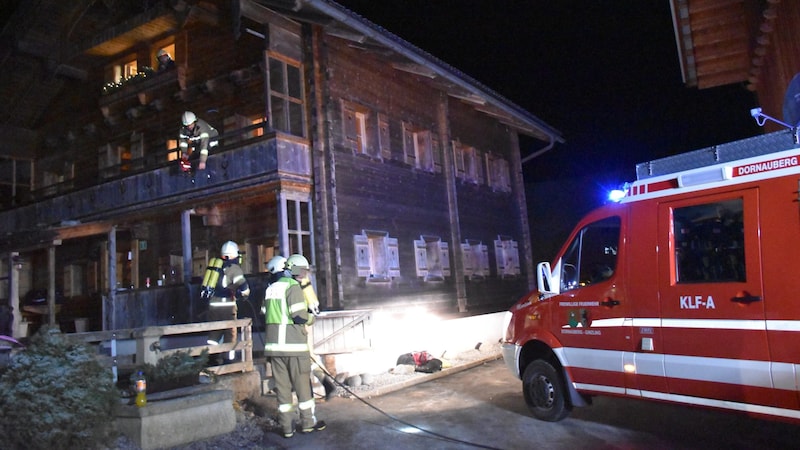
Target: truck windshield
[{"x": 592, "y": 256}]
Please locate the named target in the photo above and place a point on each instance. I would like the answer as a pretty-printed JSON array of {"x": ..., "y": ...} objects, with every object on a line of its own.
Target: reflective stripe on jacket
[
  {"x": 231, "y": 284},
  {"x": 285, "y": 305}
]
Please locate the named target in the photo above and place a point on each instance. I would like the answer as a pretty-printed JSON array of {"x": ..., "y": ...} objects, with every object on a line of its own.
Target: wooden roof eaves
[{"x": 367, "y": 34}]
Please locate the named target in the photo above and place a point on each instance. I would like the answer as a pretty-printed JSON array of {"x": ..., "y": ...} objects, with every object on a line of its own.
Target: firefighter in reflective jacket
[
  {"x": 231, "y": 286},
  {"x": 287, "y": 315},
  {"x": 195, "y": 132},
  {"x": 301, "y": 271}
]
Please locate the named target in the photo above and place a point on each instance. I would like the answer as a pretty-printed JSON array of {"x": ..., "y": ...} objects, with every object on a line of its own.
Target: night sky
[{"x": 603, "y": 72}]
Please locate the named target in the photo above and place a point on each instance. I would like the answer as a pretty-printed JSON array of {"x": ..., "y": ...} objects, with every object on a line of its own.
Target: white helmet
[
  {"x": 188, "y": 117},
  {"x": 230, "y": 250},
  {"x": 297, "y": 260},
  {"x": 276, "y": 265}
]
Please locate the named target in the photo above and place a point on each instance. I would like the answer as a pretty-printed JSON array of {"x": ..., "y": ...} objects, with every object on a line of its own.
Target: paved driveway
[{"x": 482, "y": 407}]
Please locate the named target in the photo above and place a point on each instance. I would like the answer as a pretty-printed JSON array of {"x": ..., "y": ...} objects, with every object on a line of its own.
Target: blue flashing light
[{"x": 616, "y": 195}]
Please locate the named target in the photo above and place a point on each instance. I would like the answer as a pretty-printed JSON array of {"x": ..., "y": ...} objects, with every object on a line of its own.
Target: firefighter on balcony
[
  {"x": 195, "y": 133},
  {"x": 287, "y": 315},
  {"x": 165, "y": 61},
  {"x": 230, "y": 286}
]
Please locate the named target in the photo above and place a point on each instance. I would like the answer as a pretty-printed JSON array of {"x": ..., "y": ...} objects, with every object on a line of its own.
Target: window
[
  {"x": 592, "y": 255},
  {"x": 239, "y": 122},
  {"x": 432, "y": 258},
  {"x": 355, "y": 124},
  {"x": 507, "y": 256},
  {"x": 169, "y": 48},
  {"x": 421, "y": 148},
  {"x": 136, "y": 150},
  {"x": 709, "y": 242},
  {"x": 16, "y": 176},
  {"x": 286, "y": 100},
  {"x": 108, "y": 159},
  {"x": 384, "y": 136},
  {"x": 123, "y": 70},
  {"x": 172, "y": 149},
  {"x": 377, "y": 256},
  {"x": 468, "y": 163},
  {"x": 476, "y": 260},
  {"x": 498, "y": 174},
  {"x": 298, "y": 226}
]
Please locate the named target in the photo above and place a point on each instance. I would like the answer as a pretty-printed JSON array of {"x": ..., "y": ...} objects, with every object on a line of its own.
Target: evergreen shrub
[{"x": 56, "y": 395}]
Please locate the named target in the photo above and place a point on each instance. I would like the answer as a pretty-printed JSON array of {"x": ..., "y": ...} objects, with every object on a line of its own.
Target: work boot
[
  {"x": 319, "y": 426},
  {"x": 330, "y": 387}
]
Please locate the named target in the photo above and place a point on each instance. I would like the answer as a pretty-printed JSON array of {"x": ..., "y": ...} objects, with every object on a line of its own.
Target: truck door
[
  {"x": 713, "y": 321},
  {"x": 592, "y": 307}
]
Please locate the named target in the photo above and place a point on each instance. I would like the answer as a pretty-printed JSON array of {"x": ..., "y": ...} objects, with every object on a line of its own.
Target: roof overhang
[{"x": 343, "y": 23}]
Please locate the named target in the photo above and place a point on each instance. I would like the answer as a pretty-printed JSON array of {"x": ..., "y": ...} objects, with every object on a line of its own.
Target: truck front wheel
[{"x": 544, "y": 391}]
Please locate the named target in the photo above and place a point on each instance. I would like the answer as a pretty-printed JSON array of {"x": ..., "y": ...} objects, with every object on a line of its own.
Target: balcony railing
[{"x": 239, "y": 161}]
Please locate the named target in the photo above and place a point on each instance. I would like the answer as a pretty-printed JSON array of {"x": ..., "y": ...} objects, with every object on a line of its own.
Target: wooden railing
[{"x": 123, "y": 350}]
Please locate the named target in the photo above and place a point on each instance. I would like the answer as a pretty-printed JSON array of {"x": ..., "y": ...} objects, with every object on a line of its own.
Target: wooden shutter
[
  {"x": 444, "y": 251},
  {"x": 393, "y": 257},
  {"x": 362, "y": 255}
]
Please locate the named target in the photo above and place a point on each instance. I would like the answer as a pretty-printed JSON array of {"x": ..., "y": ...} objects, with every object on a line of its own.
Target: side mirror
[{"x": 544, "y": 279}]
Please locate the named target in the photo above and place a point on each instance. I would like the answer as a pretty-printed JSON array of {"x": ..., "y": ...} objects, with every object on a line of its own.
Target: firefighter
[
  {"x": 287, "y": 348},
  {"x": 195, "y": 132},
  {"x": 301, "y": 271},
  {"x": 165, "y": 61},
  {"x": 276, "y": 266},
  {"x": 232, "y": 285}
]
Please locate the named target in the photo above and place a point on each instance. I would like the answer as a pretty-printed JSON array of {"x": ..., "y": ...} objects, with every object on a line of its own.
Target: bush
[
  {"x": 176, "y": 370},
  {"x": 55, "y": 396}
]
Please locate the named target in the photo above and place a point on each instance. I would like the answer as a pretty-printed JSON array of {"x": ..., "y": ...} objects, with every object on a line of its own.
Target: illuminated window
[
  {"x": 258, "y": 132},
  {"x": 170, "y": 49},
  {"x": 242, "y": 124},
  {"x": 172, "y": 149},
  {"x": 125, "y": 71}
]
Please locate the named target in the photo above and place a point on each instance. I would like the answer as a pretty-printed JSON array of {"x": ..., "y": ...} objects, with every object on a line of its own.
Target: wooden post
[
  {"x": 148, "y": 344},
  {"x": 51, "y": 288}
]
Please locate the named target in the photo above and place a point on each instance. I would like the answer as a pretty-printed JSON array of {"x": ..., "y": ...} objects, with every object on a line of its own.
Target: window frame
[{"x": 285, "y": 96}]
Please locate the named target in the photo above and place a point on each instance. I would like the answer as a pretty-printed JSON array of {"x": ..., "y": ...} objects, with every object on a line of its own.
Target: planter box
[{"x": 177, "y": 421}]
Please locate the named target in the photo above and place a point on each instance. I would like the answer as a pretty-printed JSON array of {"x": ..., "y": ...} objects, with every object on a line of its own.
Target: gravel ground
[{"x": 255, "y": 418}]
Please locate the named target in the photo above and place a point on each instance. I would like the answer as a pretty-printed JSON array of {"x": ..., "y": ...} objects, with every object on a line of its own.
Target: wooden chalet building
[{"x": 398, "y": 176}]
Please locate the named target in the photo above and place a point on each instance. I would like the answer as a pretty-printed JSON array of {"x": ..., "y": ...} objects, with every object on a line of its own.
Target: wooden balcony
[{"x": 146, "y": 185}]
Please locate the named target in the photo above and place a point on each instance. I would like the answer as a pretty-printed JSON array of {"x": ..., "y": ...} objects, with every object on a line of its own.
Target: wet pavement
[{"x": 481, "y": 406}]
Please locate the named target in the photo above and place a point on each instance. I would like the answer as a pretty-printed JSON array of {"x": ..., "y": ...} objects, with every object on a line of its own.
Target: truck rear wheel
[{"x": 543, "y": 388}]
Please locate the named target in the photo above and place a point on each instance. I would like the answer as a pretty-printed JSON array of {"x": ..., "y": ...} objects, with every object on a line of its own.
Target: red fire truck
[{"x": 685, "y": 291}]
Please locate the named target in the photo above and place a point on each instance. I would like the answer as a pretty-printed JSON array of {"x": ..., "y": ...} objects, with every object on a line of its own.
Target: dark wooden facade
[{"x": 396, "y": 175}]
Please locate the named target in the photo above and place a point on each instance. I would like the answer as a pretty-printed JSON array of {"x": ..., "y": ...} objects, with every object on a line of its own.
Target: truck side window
[
  {"x": 709, "y": 242},
  {"x": 592, "y": 256}
]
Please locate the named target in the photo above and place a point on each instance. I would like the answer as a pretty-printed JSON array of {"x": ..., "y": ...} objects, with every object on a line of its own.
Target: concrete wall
[
  {"x": 171, "y": 422},
  {"x": 395, "y": 334}
]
